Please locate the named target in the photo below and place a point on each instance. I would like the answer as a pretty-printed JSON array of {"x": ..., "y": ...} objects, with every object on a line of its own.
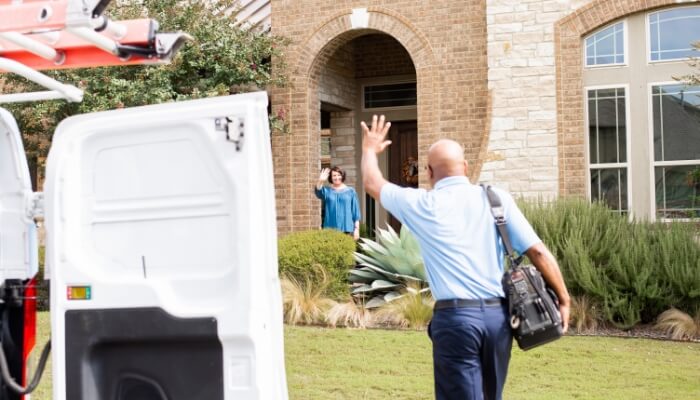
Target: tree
[
  {"x": 693, "y": 78},
  {"x": 222, "y": 59}
]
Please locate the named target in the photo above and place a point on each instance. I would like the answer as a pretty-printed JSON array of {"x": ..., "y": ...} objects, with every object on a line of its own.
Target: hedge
[
  {"x": 634, "y": 269},
  {"x": 332, "y": 250}
]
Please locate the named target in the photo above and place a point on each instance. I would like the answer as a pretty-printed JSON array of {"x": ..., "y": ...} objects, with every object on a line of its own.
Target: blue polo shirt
[{"x": 460, "y": 245}]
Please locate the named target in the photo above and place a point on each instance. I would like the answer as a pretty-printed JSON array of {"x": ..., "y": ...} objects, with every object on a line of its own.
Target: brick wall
[
  {"x": 381, "y": 55},
  {"x": 337, "y": 78},
  {"x": 446, "y": 40}
]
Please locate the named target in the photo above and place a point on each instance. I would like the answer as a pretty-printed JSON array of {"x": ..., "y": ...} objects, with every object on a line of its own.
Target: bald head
[{"x": 446, "y": 158}]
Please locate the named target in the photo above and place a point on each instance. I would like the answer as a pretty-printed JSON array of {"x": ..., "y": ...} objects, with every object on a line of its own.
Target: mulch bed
[{"x": 643, "y": 331}]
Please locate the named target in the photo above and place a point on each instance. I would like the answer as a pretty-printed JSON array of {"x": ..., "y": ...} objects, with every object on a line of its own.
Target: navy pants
[{"x": 471, "y": 352}]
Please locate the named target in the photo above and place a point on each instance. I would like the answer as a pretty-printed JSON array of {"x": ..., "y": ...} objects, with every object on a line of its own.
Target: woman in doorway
[{"x": 341, "y": 208}]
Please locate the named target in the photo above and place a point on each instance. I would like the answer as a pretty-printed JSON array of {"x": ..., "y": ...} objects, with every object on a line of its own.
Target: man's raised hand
[{"x": 373, "y": 138}]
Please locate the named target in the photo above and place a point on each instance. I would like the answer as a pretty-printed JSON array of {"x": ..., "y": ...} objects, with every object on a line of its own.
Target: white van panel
[
  {"x": 18, "y": 243},
  {"x": 160, "y": 208}
]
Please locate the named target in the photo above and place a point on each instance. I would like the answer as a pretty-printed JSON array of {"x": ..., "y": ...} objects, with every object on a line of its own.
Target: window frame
[
  {"x": 326, "y": 159},
  {"x": 653, "y": 163},
  {"x": 625, "y": 41},
  {"x": 388, "y": 82},
  {"x": 628, "y": 145},
  {"x": 647, "y": 23}
]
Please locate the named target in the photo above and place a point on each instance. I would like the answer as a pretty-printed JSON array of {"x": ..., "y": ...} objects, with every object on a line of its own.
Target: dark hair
[{"x": 338, "y": 170}]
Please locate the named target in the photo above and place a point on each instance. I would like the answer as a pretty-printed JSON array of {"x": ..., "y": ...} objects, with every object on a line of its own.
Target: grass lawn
[{"x": 326, "y": 364}]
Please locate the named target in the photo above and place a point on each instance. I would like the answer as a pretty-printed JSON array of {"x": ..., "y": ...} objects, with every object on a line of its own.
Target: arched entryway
[
  {"x": 367, "y": 75},
  {"x": 344, "y": 74}
]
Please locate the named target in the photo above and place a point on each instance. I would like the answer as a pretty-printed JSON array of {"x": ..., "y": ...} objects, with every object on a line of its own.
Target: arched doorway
[
  {"x": 326, "y": 91},
  {"x": 357, "y": 77}
]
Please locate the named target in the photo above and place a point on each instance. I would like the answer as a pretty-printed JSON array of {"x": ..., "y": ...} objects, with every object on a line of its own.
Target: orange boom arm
[{"x": 60, "y": 34}]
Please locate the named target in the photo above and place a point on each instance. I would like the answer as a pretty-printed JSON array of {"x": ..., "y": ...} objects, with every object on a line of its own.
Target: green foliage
[
  {"x": 301, "y": 253},
  {"x": 366, "y": 232},
  {"x": 694, "y": 77},
  {"x": 221, "y": 59},
  {"x": 42, "y": 285},
  {"x": 387, "y": 267},
  {"x": 634, "y": 270}
]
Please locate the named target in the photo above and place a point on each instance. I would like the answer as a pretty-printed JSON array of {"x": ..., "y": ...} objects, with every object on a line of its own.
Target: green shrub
[
  {"x": 634, "y": 270},
  {"x": 42, "y": 286},
  {"x": 366, "y": 232},
  {"x": 301, "y": 252}
]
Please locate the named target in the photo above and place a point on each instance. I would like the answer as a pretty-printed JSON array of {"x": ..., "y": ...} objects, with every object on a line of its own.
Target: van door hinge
[
  {"x": 234, "y": 128},
  {"x": 35, "y": 205}
]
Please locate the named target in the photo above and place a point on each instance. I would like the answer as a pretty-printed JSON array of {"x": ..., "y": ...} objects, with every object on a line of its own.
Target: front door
[{"x": 403, "y": 158}]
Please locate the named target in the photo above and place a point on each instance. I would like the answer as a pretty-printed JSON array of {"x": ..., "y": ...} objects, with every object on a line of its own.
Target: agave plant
[{"x": 386, "y": 267}]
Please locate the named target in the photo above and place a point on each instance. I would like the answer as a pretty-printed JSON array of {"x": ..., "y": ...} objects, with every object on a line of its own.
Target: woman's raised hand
[{"x": 324, "y": 174}]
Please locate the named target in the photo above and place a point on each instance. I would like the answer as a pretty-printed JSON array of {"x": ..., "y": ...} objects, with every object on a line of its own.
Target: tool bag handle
[{"x": 500, "y": 219}]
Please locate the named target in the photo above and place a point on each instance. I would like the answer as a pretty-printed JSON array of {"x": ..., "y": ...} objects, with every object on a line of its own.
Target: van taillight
[{"x": 29, "y": 336}]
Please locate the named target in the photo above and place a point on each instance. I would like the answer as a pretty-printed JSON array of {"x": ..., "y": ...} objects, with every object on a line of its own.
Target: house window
[
  {"x": 390, "y": 95},
  {"x": 607, "y": 139},
  {"x": 676, "y": 137},
  {"x": 643, "y": 134},
  {"x": 606, "y": 47},
  {"x": 325, "y": 139},
  {"x": 672, "y": 32},
  {"x": 325, "y": 148}
]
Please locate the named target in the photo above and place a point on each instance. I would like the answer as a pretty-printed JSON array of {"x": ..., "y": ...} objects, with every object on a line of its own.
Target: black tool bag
[{"x": 533, "y": 307}]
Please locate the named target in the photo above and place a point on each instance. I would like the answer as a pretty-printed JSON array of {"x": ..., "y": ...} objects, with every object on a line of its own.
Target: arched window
[
  {"x": 606, "y": 46},
  {"x": 672, "y": 32}
]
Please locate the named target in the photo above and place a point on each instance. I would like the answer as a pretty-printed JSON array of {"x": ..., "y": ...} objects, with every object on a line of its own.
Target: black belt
[{"x": 463, "y": 303}]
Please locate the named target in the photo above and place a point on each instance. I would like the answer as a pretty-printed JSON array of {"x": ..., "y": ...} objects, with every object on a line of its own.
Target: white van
[{"x": 161, "y": 250}]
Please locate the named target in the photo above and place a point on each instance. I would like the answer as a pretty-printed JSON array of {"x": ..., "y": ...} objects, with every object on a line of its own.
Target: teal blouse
[{"x": 341, "y": 208}]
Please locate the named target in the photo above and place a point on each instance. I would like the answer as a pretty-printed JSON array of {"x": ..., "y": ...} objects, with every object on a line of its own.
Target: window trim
[
  {"x": 647, "y": 23},
  {"x": 387, "y": 82},
  {"x": 625, "y": 40},
  {"x": 652, "y": 162},
  {"x": 628, "y": 144}
]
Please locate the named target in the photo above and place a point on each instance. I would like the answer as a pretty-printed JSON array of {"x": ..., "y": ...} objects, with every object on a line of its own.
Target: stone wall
[{"x": 522, "y": 150}]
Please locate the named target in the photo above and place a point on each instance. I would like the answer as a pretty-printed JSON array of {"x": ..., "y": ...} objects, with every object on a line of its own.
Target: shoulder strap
[{"x": 500, "y": 219}]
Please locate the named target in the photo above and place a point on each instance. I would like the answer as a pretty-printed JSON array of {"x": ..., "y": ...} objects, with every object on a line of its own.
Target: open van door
[
  {"x": 162, "y": 249},
  {"x": 18, "y": 255}
]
